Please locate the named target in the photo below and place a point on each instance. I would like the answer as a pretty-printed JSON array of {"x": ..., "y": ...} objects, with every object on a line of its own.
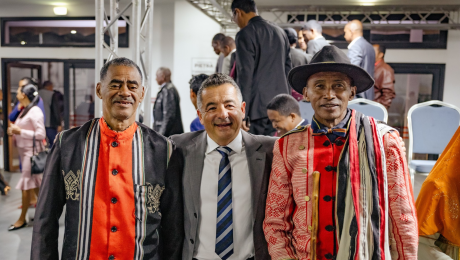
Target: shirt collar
[
  {"x": 353, "y": 42},
  {"x": 303, "y": 120},
  {"x": 316, "y": 125},
  {"x": 318, "y": 37},
  {"x": 236, "y": 145}
]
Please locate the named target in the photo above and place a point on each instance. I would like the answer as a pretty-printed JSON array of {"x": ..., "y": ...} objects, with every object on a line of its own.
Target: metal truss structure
[
  {"x": 218, "y": 10},
  {"x": 141, "y": 26},
  {"x": 373, "y": 17}
]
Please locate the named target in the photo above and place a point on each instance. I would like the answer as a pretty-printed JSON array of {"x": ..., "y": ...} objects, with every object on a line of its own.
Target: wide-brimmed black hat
[{"x": 330, "y": 58}]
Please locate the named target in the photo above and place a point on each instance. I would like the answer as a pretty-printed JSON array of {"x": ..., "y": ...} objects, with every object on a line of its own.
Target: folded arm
[
  {"x": 278, "y": 223},
  {"x": 51, "y": 201},
  {"x": 402, "y": 212}
]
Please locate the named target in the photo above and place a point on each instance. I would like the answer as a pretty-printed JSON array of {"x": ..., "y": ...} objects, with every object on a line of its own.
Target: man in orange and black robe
[{"x": 122, "y": 191}]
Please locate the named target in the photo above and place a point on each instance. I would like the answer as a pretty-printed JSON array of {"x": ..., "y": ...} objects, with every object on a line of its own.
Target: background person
[
  {"x": 312, "y": 34},
  {"x": 284, "y": 113},
  {"x": 18, "y": 107},
  {"x": 195, "y": 84},
  {"x": 360, "y": 52},
  {"x": 28, "y": 125},
  {"x": 166, "y": 110},
  {"x": 223, "y": 216},
  {"x": 216, "y": 46},
  {"x": 302, "y": 44},
  {"x": 227, "y": 47},
  {"x": 298, "y": 57},
  {"x": 262, "y": 63},
  {"x": 384, "y": 76},
  {"x": 53, "y": 108}
]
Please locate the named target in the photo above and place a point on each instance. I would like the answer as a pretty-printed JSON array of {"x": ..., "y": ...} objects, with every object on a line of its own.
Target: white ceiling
[{"x": 259, "y": 2}]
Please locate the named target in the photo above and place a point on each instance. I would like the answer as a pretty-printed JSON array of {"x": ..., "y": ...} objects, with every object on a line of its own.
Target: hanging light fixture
[{"x": 60, "y": 10}]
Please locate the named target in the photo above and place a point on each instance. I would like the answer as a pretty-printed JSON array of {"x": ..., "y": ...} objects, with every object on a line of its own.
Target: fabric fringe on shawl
[{"x": 362, "y": 210}]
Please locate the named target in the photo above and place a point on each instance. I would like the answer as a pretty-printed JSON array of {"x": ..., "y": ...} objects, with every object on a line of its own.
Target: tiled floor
[{"x": 15, "y": 245}]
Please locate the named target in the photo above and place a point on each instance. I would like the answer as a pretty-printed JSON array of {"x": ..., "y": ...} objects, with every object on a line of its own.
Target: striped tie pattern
[{"x": 224, "y": 230}]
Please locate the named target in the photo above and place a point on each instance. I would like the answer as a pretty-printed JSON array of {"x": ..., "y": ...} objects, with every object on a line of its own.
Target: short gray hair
[
  {"x": 122, "y": 61},
  {"x": 312, "y": 24},
  {"x": 216, "y": 80}
]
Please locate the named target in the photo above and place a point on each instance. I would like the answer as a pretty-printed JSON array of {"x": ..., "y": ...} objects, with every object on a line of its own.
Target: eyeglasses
[{"x": 233, "y": 16}]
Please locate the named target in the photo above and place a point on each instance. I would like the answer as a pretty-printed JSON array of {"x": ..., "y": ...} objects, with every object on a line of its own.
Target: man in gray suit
[
  {"x": 360, "y": 52},
  {"x": 298, "y": 57},
  {"x": 262, "y": 63},
  {"x": 312, "y": 32},
  {"x": 225, "y": 174}
]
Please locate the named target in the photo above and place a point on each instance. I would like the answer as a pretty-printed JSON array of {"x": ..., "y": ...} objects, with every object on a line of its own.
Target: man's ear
[
  {"x": 143, "y": 94},
  {"x": 98, "y": 90},
  {"x": 243, "y": 107},
  {"x": 305, "y": 94},
  {"x": 353, "y": 93}
]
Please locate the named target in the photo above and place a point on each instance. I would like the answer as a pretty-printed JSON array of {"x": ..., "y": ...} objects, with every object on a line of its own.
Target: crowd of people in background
[{"x": 252, "y": 179}]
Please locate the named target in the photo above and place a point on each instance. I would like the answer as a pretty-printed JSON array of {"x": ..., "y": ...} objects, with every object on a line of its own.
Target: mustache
[
  {"x": 118, "y": 99},
  {"x": 222, "y": 121}
]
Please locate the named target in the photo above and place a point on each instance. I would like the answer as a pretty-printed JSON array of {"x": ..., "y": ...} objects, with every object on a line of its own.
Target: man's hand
[{"x": 246, "y": 125}]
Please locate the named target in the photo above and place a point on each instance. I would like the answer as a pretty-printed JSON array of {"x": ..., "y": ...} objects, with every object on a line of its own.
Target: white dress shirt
[
  {"x": 353, "y": 42},
  {"x": 226, "y": 66},
  {"x": 241, "y": 201}
]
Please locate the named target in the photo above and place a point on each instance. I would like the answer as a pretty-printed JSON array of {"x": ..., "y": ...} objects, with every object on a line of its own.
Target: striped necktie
[{"x": 224, "y": 230}]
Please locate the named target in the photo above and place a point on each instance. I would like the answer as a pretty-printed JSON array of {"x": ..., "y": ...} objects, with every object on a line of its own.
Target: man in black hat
[{"x": 340, "y": 187}]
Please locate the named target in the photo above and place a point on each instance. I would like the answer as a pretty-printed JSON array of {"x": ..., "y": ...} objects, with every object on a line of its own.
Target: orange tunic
[
  {"x": 438, "y": 204},
  {"x": 113, "y": 227}
]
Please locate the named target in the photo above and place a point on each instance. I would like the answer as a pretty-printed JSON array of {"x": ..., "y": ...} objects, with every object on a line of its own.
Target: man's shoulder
[
  {"x": 298, "y": 130},
  {"x": 183, "y": 140},
  {"x": 265, "y": 140},
  {"x": 73, "y": 134}
]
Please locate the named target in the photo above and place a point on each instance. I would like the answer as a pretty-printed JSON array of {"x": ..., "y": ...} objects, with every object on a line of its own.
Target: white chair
[
  {"x": 430, "y": 130},
  {"x": 306, "y": 110},
  {"x": 369, "y": 108}
]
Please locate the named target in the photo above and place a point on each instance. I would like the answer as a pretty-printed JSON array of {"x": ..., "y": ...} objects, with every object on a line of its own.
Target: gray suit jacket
[
  {"x": 262, "y": 64},
  {"x": 299, "y": 57},
  {"x": 362, "y": 54},
  {"x": 314, "y": 46},
  {"x": 259, "y": 152}
]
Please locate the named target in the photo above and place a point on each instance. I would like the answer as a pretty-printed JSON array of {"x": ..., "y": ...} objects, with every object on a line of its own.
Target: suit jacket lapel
[
  {"x": 256, "y": 163},
  {"x": 196, "y": 153}
]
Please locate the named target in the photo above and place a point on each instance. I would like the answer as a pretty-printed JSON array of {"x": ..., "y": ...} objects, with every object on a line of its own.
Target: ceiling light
[
  {"x": 60, "y": 10},
  {"x": 368, "y": 4},
  {"x": 73, "y": 32},
  {"x": 23, "y": 43}
]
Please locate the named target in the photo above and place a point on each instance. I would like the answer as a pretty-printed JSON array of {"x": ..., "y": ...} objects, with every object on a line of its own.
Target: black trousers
[{"x": 261, "y": 126}]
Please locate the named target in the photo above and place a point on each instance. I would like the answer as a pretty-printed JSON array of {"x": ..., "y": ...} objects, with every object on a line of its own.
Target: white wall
[
  {"x": 450, "y": 57},
  {"x": 193, "y": 32}
]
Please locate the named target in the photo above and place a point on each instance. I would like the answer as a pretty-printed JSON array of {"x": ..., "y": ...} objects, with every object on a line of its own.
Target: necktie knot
[{"x": 224, "y": 150}]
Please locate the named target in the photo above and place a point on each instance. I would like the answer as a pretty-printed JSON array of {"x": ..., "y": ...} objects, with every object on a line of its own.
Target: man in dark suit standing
[
  {"x": 225, "y": 174},
  {"x": 298, "y": 57},
  {"x": 262, "y": 63},
  {"x": 166, "y": 110},
  {"x": 312, "y": 32},
  {"x": 360, "y": 52}
]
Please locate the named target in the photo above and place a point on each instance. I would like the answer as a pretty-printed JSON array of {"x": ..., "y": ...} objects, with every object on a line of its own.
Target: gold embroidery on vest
[
  {"x": 153, "y": 197},
  {"x": 72, "y": 185}
]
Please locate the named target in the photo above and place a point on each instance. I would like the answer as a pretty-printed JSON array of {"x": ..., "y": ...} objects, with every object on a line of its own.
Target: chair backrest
[
  {"x": 369, "y": 108},
  {"x": 431, "y": 127},
  {"x": 306, "y": 111}
]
